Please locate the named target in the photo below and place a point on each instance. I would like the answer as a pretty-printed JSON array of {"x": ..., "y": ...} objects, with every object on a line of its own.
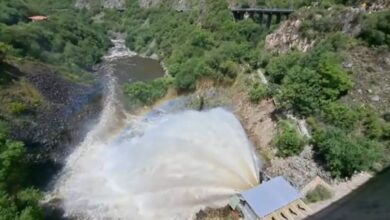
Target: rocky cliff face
[
  {"x": 187, "y": 4},
  {"x": 301, "y": 31},
  {"x": 179, "y": 5},
  {"x": 288, "y": 37},
  {"x": 114, "y": 4}
]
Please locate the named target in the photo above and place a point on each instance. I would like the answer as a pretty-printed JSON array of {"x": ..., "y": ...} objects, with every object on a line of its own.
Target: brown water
[{"x": 136, "y": 68}]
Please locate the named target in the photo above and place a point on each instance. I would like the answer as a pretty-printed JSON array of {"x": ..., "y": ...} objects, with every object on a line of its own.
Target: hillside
[
  {"x": 327, "y": 64},
  {"x": 327, "y": 67},
  {"x": 47, "y": 96}
]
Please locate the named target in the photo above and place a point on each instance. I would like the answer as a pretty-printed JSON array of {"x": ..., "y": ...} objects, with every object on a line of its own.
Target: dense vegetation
[
  {"x": 288, "y": 140},
  {"x": 68, "y": 42},
  {"x": 347, "y": 138},
  {"x": 194, "y": 46},
  {"x": 312, "y": 80},
  {"x": 199, "y": 44},
  {"x": 257, "y": 92},
  {"x": 59, "y": 40},
  {"x": 208, "y": 43},
  {"x": 345, "y": 154},
  {"x": 376, "y": 29},
  {"x": 140, "y": 93},
  {"x": 17, "y": 199}
]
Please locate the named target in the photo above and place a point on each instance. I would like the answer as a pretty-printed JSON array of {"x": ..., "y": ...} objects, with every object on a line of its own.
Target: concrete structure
[
  {"x": 261, "y": 15},
  {"x": 275, "y": 199}
]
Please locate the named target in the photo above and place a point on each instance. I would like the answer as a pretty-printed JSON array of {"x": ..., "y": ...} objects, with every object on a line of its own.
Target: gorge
[{"x": 90, "y": 129}]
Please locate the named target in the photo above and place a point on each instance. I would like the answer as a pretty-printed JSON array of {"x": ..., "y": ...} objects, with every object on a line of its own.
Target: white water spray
[
  {"x": 164, "y": 167},
  {"x": 180, "y": 164}
]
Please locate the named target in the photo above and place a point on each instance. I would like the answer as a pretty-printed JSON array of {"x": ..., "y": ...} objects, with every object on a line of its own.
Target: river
[{"x": 153, "y": 166}]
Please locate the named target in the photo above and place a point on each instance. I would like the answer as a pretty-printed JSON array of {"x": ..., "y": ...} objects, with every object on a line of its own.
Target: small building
[
  {"x": 275, "y": 199},
  {"x": 38, "y": 18}
]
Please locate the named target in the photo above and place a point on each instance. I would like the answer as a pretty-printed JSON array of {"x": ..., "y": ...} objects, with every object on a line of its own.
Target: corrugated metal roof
[{"x": 270, "y": 196}]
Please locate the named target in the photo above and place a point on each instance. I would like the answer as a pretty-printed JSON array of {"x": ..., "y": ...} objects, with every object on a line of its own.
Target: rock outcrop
[
  {"x": 296, "y": 34},
  {"x": 113, "y": 4},
  {"x": 287, "y": 37},
  {"x": 299, "y": 169},
  {"x": 179, "y": 5}
]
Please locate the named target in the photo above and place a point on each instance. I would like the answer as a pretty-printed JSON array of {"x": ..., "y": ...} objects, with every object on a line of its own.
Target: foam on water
[{"x": 118, "y": 50}]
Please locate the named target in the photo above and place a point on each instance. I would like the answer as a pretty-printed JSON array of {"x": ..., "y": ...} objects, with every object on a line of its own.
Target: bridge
[{"x": 262, "y": 15}]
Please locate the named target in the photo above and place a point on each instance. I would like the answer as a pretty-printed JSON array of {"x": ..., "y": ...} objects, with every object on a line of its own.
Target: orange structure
[{"x": 38, "y": 18}]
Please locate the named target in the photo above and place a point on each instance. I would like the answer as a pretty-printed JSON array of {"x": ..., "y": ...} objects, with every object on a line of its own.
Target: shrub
[
  {"x": 4, "y": 50},
  {"x": 141, "y": 93},
  {"x": 343, "y": 154},
  {"x": 341, "y": 116},
  {"x": 16, "y": 107},
  {"x": 189, "y": 72},
  {"x": 12, "y": 12},
  {"x": 16, "y": 201},
  {"x": 373, "y": 125},
  {"x": 278, "y": 66},
  {"x": 376, "y": 28},
  {"x": 257, "y": 92},
  {"x": 386, "y": 131},
  {"x": 288, "y": 140},
  {"x": 229, "y": 68},
  {"x": 319, "y": 193}
]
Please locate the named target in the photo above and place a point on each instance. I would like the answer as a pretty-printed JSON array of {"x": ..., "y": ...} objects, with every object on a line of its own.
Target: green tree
[
  {"x": 146, "y": 93},
  {"x": 257, "y": 92},
  {"x": 278, "y": 66},
  {"x": 16, "y": 201},
  {"x": 229, "y": 68},
  {"x": 343, "y": 154},
  {"x": 307, "y": 89},
  {"x": 4, "y": 50},
  {"x": 190, "y": 71},
  {"x": 376, "y": 28},
  {"x": 373, "y": 125},
  {"x": 288, "y": 140},
  {"x": 341, "y": 116}
]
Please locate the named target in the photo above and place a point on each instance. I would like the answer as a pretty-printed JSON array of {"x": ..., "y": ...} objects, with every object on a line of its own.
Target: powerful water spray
[{"x": 162, "y": 167}]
